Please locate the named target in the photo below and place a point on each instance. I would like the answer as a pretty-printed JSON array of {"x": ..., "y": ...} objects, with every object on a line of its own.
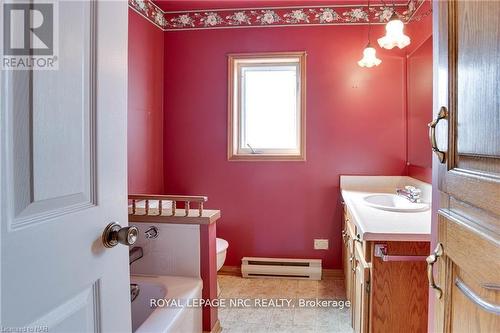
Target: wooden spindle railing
[{"x": 148, "y": 198}]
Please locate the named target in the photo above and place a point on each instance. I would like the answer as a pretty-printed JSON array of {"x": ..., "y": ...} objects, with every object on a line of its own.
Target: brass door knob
[{"x": 114, "y": 234}]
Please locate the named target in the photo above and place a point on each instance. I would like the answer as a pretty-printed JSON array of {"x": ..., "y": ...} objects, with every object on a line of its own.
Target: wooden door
[
  {"x": 63, "y": 178},
  {"x": 467, "y": 83}
]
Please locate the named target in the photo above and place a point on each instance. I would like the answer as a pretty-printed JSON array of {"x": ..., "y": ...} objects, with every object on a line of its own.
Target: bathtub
[{"x": 146, "y": 319}]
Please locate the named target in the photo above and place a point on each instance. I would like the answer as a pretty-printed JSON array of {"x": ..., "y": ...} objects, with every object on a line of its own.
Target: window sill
[{"x": 266, "y": 157}]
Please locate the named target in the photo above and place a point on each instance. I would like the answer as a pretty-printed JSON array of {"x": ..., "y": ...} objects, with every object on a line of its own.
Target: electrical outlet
[{"x": 321, "y": 244}]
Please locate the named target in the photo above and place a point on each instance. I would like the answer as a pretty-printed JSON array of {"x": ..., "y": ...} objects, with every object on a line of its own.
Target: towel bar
[
  {"x": 385, "y": 257},
  {"x": 381, "y": 252}
]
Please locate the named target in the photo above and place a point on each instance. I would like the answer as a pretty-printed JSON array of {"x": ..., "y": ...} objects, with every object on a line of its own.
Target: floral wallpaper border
[{"x": 272, "y": 17}]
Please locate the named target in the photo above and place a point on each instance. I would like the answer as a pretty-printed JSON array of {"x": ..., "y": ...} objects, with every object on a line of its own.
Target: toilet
[{"x": 221, "y": 248}]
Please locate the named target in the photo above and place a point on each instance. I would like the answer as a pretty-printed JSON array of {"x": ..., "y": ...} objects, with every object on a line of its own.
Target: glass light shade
[
  {"x": 369, "y": 58},
  {"x": 394, "y": 35}
]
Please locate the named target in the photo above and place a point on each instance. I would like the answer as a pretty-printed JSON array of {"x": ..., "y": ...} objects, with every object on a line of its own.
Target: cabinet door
[
  {"x": 361, "y": 291},
  {"x": 347, "y": 255},
  {"x": 466, "y": 81},
  {"x": 347, "y": 264},
  {"x": 349, "y": 268}
]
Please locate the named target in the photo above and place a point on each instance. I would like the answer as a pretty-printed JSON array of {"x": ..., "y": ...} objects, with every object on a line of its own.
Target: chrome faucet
[
  {"x": 135, "y": 254},
  {"x": 134, "y": 291},
  {"x": 152, "y": 232},
  {"x": 410, "y": 192}
]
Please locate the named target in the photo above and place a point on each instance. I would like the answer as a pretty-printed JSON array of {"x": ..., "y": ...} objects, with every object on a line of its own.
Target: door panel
[
  {"x": 80, "y": 311},
  {"x": 63, "y": 111},
  {"x": 469, "y": 181},
  {"x": 466, "y": 315},
  {"x": 478, "y": 119},
  {"x": 63, "y": 178},
  {"x": 481, "y": 259},
  {"x": 53, "y": 126}
]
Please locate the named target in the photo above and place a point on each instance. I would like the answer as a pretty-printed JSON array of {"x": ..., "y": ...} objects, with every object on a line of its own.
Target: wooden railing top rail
[
  {"x": 163, "y": 209},
  {"x": 191, "y": 198}
]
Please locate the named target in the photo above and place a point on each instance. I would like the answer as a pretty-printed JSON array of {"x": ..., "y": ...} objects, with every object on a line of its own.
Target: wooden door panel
[
  {"x": 468, "y": 63},
  {"x": 478, "y": 109},
  {"x": 471, "y": 248},
  {"x": 346, "y": 257},
  {"x": 466, "y": 81},
  {"x": 467, "y": 316},
  {"x": 471, "y": 259},
  {"x": 350, "y": 272},
  {"x": 472, "y": 189},
  {"x": 361, "y": 290}
]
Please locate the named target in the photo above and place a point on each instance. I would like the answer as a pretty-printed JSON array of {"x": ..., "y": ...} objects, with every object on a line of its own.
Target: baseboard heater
[{"x": 305, "y": 269}]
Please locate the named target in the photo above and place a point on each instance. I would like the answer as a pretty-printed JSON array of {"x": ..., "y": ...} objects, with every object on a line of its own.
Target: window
[{"x": 266, "y": 106}]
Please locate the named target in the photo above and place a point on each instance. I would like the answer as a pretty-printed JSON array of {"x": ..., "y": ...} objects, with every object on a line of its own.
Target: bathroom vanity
[{"x": 385, "y": 243}]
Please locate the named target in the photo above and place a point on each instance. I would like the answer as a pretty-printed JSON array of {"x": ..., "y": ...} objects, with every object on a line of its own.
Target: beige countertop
[{"x": 381, "y": 225}]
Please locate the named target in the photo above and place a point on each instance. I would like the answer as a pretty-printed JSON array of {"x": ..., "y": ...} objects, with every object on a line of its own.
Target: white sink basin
[{"x": 394, "y": 203}]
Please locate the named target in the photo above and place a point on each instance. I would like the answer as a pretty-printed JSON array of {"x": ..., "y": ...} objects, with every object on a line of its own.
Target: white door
[{"x": 63, "y": 178}]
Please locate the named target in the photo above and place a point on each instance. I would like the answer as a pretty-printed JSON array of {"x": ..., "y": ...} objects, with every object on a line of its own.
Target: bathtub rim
[{"x": 177, "y": 287}]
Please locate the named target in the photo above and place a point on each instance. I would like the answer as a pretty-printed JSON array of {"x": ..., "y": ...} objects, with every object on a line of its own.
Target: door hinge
[{"x": 367, "y": 287}]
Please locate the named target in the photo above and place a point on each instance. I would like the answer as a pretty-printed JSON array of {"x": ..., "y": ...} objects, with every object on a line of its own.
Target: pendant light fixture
[
  {"x": 394, "y": 35},
  {"x": 369, "y": 53}
]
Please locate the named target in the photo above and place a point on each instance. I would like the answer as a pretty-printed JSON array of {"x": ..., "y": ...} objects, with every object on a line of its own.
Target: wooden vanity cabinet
[
  {"x": 356, "y": 274},
  {"x": 385, "y": 296}
]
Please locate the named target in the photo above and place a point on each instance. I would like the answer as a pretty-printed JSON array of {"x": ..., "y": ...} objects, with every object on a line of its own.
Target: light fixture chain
[{"x": 369, "y": 24}]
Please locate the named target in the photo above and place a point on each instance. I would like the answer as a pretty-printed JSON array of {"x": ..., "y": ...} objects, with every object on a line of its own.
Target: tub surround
[
  {"x": 176, "y": 250},
  {"x": 379, "y": 225}
]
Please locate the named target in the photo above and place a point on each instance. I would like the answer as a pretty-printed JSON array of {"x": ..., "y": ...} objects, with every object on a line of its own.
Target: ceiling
[{"x": 181, "y": 5}]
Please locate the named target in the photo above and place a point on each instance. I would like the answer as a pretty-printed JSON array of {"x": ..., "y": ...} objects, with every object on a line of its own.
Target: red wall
[
  {"x": 420, "y": 111},
  {"x": 419, "y": 95},
  {"x": 145, "y": 106},
  {"x": 355, "y": 125}
]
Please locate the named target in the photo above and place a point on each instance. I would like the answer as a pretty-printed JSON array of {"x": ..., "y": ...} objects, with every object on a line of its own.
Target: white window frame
[{"x": 235, "y": 120}]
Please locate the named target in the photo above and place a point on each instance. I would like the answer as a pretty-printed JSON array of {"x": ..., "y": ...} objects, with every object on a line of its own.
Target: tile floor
[{"x": 286, "y": 319}]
